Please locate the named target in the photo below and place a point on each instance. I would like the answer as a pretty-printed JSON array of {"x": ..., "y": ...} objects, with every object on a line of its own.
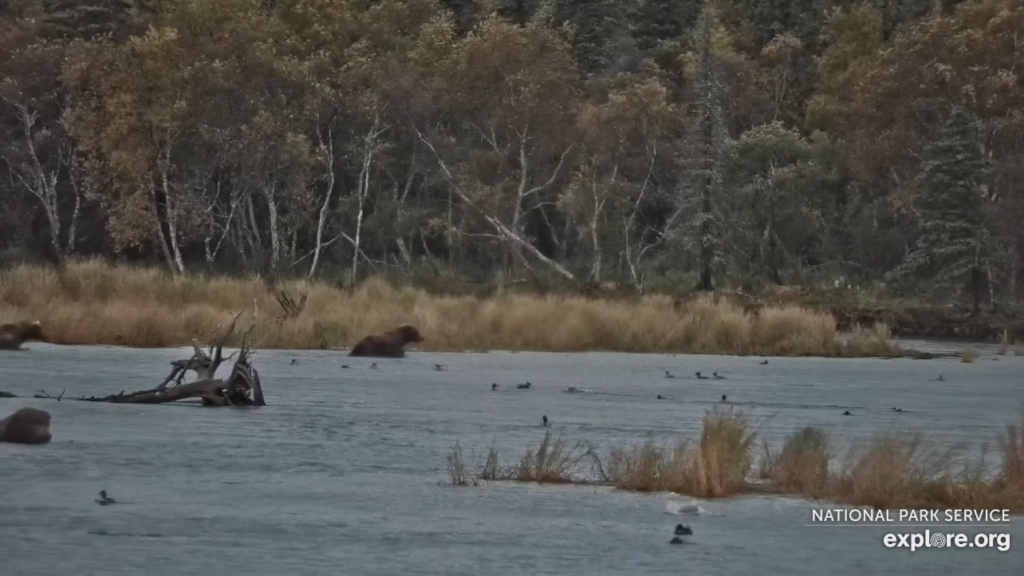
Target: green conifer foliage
[
  {"x": 954, "y": 246},
  {"x": 86, "y": 19}
]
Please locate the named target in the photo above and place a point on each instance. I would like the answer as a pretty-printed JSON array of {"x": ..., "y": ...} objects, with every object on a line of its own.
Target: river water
[{"x": 344, "y": 471}]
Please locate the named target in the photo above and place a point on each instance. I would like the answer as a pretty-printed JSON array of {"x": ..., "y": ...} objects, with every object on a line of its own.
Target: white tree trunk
[
  {"x": 327, "y": 153},
  {"x": 502, "y": 230},
  {"x": 170, "y": 205},
  {"x": 43, "y": 183},
  {"x": 269, "y": 193},
  {"x": 363, "y": 190}
]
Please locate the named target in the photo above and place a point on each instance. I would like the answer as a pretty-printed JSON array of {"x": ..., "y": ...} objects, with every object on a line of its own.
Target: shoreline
[{"x": 97, "y": 303}]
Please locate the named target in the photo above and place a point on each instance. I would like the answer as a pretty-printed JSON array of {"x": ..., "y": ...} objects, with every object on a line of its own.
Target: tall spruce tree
[
  {"x": 706, "y": 144},
  {"x": 598, "y": 24},
  {"x": 518, "y": 11},
  {"x": 954, "y": 247},
  {"x": 659, "y": 21}
]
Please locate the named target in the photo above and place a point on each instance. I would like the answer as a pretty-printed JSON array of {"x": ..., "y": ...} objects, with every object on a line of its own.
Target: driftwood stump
[{"x": 241, "y": 388}]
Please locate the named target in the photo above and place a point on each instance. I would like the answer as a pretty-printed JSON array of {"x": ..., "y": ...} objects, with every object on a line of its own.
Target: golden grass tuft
[
  {"x": 458, "y": 474},
  {"x": 802, "y": 466},
  {"x": 1011, "y": 446},
  {"x": 967, "y": 355},
  {"x": 717, "y": 466},
  {"x": 92, "y": 302},
  {"x": 553, "y": 461},
  {"x": 1004, "y": 343},
  {"x": 890, "y": 471}
]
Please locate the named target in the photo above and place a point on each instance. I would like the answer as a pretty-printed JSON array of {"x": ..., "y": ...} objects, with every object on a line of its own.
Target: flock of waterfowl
[{"x": 389, "y": 345}]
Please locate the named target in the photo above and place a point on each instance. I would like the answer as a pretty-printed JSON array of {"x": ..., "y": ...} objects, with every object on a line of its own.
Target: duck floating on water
[
  {"x": 104, "y": 500},
  {"x": 373, "y": 366},
  {"x": 724, "y": 397},
  {"x": 898, "y": 409},
  {"x": 701, "y": 377},
  {"x": 294, "y": 361},
  {"x": 526, "y": 386},
  {"x": 676, "y": 540},
  {"x": 344, "y": 365},
  {"x": 764, "y": 362},
  {"x": 439, "y": 367},
  {"x": 940, "y": 378},
  {"x": 717, "y": 377},
  {"x": 668, "y": 374},
  {"x": 494, "y": 387},
  {"x": 660, "y": 397},
  {"x": 847, "y": 413},
  {"x": 683, "y": 530},
  {"x": 544, "y": 420}
]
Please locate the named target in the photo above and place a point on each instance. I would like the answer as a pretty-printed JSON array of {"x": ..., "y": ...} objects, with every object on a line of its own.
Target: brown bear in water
[
  {"x": 390, "y": 345},
  {"x": 12, "y": 336},
  {"x": 26, "y": 426}
]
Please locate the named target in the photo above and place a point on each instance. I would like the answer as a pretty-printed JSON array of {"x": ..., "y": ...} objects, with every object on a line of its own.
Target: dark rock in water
[
  {"x": 683, "y": 530},
  {"x": 847, "y": 413},
  {"x": 6, "y": 394},
  {"x": 676, "y": 540}
]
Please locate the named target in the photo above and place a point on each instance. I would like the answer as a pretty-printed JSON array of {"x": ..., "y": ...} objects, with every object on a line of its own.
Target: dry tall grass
[
  {"x": 91, "y": 302},
  {"x": 456, "y": 465},
  {"x": 888, "y": 472},
  {"x": 1012, "y": 451},
  {"x": 901, "y": 472},
  {"x": 553, "y": 461},
  {"x": 802, "y": 466},
  {"x": 717, "y": 466},
  {"x": 1004, "y": 343},
  {"x": 967, "y": 355}
]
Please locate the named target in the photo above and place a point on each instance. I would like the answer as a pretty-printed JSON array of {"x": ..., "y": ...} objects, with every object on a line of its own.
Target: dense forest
[{"x": 727, "y": 142}]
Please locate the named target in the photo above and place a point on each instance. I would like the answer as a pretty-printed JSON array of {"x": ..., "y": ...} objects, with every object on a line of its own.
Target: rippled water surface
[{"x": 342, "y": 472}]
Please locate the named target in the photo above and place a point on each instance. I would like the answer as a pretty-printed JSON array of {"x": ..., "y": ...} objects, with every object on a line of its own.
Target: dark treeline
[{"x": 734, "y": 141}]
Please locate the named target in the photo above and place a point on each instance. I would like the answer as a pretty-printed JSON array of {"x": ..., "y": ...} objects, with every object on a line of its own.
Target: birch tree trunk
[
  {"x": 170, "y": 206},
  {"x": 269, "y": 194},
  {"x": 42, "y": 183},
  {"x": 327, "y": 153},
  {"x": 369, "y": 148}
]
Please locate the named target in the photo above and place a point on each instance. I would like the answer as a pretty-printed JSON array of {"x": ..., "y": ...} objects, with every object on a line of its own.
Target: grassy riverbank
[
  {"x": 889, "y": 472},
  {"x": 96, "y": 303}
]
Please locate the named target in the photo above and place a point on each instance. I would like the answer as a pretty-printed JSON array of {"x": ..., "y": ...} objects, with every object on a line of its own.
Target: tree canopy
[{"x": 714, "y": 143}]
